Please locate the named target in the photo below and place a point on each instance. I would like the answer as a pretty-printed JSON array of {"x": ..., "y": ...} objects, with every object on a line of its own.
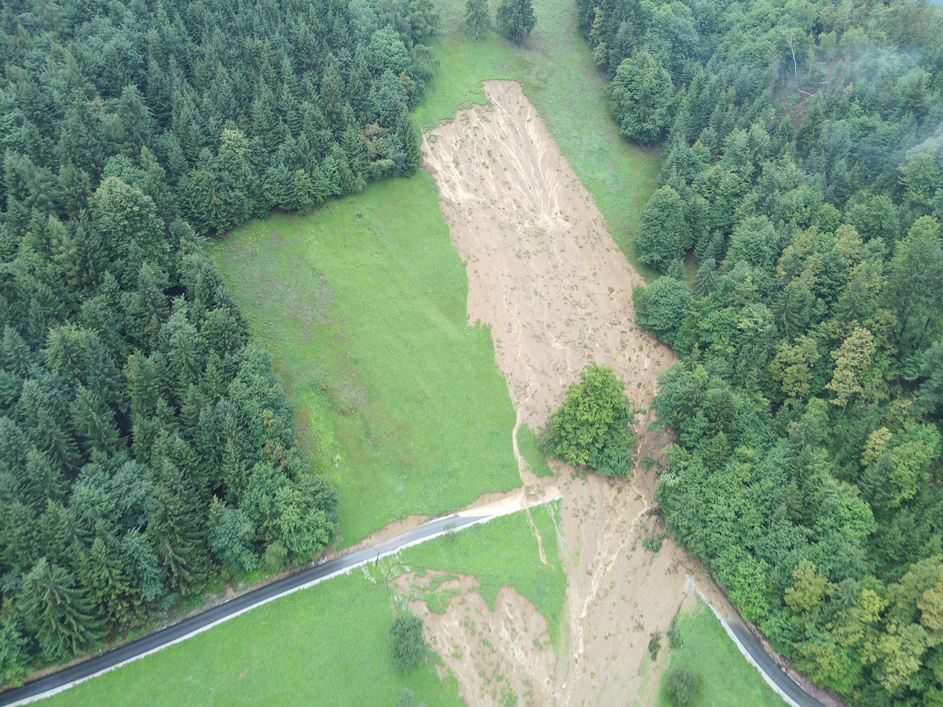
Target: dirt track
[{"x": 547, "y": 277}]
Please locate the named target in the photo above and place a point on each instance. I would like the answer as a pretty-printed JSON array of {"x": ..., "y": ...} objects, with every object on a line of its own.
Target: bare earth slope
[{"x": 547, "y": 277}]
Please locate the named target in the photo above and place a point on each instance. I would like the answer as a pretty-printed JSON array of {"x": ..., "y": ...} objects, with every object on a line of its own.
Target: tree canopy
[
  {"x": 146, "y": 444},
  {"x": 592, "y": 428},
  {"x": 802, "y": 170},
  {"x": 516, "y": 19}
]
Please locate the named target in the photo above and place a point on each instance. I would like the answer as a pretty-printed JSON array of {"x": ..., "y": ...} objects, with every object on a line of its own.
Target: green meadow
[
  {"x": 727, "y": 677},
  {"x": 362, "y": 305},
  {"x": 329, "y": 645}
]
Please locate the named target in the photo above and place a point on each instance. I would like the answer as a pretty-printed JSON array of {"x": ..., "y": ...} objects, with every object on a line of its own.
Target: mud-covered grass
[
  {"x": 362, "y": 305},
  {"x": 527, "y": 444},
  {"x": 504, "y": 552},
  {"x": 327, "y": 646},
  {"x": 560, "y": 78},
  {"x": 727, "y": 677}
]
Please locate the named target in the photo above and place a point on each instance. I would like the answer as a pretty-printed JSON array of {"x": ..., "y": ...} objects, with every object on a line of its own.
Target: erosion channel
[{"x": 548, "y": 279}]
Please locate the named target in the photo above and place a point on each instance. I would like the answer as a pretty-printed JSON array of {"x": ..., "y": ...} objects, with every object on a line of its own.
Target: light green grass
[
  {"x": 326, "y": 646},
  {"x": 728, "y": 678},
  {"x": 559, "y": 77},
  {"x": 501, "y": 553},
  {"x": 362, "y": 305},
  {"x": 528, "y": 447},
  {"x": 329, "y": 645}
]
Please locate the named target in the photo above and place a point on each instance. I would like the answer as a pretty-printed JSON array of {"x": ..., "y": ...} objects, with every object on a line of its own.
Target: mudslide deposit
[{"x": 547, "y": 277}]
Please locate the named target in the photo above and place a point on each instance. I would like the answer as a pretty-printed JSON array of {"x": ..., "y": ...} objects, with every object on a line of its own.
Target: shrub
[
  {"x": 654, "y": 645},
  {"x": 409, "y": 646},
  {"x": 592, "y": 426},
  {"x": 682, "y": 687}
]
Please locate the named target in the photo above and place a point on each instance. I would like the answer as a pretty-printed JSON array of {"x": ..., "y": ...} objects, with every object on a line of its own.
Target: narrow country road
[
  {"x": 68, "y": 677},
  {"x": 788, "y": 688}
]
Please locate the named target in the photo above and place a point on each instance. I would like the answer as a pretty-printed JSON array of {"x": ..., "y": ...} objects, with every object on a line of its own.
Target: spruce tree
[
  {"x": 58, "y": 610},
  {"x": 516, "y": 19},
  {"x": 477, "y": 16}
]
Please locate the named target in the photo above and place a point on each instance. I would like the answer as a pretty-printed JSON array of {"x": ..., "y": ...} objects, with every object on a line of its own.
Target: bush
[
  {"x": 675, "y": 639},
  {"x": 592, "y": 427},
  {"x": 661, "y": 308},
  {"x": 654, "y": 645},
  {"x": 682, "y": 687},
  {"x": 409, "y": 646}
]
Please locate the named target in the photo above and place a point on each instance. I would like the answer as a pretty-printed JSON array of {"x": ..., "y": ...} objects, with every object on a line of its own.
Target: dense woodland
[
  {"x": 803, "y": 178},
  {"x": 146, "y": 447}
]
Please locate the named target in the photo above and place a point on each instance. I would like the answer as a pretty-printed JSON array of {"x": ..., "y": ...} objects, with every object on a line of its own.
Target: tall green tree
[
  {"x": 592, "y": 428},
  {"x": 516, "y": 19},
  {"x": 641, "y": 97},
  {"x": 477, "y": 15},
  {"x": 58, "y": 610}
]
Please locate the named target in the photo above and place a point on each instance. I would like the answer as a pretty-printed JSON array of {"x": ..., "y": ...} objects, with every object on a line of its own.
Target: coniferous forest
[
  {"x": 803, "y": 179},
  {"x": 146, "y": 446}
]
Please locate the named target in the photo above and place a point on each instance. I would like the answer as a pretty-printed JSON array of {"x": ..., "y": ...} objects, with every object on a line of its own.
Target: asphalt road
[
  {"x": 43, "y": 687},
  {"x": 63, "y": 679},
  {"x": 764, "y": 661}
]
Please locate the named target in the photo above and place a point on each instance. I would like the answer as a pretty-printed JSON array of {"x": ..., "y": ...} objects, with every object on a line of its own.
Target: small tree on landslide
[
  {"x": 409, "y": 646},
  {"x": 592, "y": 427},
  {"x": 477, "y": 16},
  {"x": 516, "y": 19}
]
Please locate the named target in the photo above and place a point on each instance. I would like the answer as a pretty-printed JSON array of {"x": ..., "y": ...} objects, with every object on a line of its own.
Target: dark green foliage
[
  {"x": 807, "y": 405},
  {"x": 477, "y": 15},
  {"x": 665, "y": 233},
  {"x": 675, "y": 638},
  {"x": 654, "y": 645},
  {"x": 516, "y": 19},
  {"x": 133, "y": 409},
  {"x": 641, "y": 97},
  {"x": 592, "y": 428},
  {"x": 682, "y": 687},
  {"x": 662, "y": 307},
  {"x": 58, "y": 611},
  {"x": 409, "y": 646}
]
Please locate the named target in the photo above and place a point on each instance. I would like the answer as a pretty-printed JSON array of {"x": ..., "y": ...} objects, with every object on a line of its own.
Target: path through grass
[
  {"x": 363, "y": 305},
  {"x": 728, "y": 678}
]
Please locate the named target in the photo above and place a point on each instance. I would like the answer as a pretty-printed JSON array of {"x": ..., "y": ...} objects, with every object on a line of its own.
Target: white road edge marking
[
  {"x": 345, "y": 570},
  {"x": 746, "y": 653}
]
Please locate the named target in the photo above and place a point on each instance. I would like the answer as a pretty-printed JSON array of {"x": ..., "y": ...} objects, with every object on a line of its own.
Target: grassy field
[
  {"x": 326, "y": 646},
  {"x": 559, "y": 77},
  {"x": 501, "y": 553},
  {"x": 329, "y": 645},
  {"x": 728, "y": 678},
  {"x": 362, "y": 305}
]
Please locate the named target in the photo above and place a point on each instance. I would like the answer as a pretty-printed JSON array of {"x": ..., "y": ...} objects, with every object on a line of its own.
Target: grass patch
[
  {"x": 527, "y": 445},
  {"x": 727, "y": 678},
  {"x": 502, "y": 553},
  {"x": 328, "y": 645},
  {"x": 362, "y": 304},
  {"x": 560, "y": 78}
]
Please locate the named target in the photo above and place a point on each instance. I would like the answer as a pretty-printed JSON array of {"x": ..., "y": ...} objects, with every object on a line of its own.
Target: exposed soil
[
  {"x": 548, "y": 279},
  {"x": 487, "y": 651}
]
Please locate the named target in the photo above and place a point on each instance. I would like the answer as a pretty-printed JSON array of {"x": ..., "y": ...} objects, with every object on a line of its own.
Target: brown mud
[{"x": 548, "y": 279}]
